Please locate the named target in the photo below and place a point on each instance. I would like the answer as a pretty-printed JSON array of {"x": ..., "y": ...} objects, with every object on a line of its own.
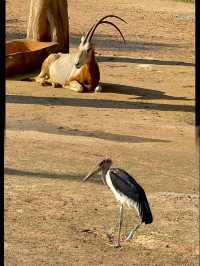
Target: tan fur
[
  {"x": 45, "y": 65},
  {"x": 89, "y": 75},
  {"x": 79, "y": 70}
]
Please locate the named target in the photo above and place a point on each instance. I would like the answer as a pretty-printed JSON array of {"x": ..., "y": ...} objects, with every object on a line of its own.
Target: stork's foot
[
  {"x": 117, "y": 245},
  {"x": 111, "y": 240},
  {"x": 114, "y": 245},
  {"x": 132, "y": 233},
  {"x": 130, "y": 236},
  {"x": 98, "y": 88}
]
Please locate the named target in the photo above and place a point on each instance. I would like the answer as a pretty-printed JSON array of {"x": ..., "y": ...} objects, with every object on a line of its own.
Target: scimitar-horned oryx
[{"x": 77, "y": 71}]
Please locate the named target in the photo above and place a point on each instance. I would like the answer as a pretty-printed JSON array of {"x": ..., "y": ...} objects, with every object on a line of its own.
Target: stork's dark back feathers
[
  {"x": 126, "y": 184},
  {"x": 145, "y": 211}
]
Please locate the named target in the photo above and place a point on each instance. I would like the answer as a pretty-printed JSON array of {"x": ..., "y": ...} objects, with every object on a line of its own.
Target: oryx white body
[{"x": 63, "y": 68}]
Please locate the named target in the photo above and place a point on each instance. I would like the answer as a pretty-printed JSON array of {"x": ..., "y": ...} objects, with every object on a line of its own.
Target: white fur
[
  {"x": 98, "y": 88},
  {"x": 63, "y": 68}
]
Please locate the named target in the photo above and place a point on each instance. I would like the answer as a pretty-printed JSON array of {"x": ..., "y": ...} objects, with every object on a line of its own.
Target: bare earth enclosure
[{"x": 143, "y": 119}]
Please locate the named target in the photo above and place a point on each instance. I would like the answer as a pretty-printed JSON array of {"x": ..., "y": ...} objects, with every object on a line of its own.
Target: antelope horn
[
  {"x": 93, "y": 28},
  {"x": 99, "y": 22},
  {"x": 86, "y": 37},
  {"x": 108, "y": 22}
]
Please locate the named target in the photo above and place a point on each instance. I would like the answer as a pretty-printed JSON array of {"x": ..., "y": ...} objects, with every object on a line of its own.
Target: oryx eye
[{"x": 88, "y": 49}]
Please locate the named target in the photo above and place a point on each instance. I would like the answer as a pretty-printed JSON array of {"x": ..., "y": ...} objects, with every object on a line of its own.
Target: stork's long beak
[{"x": 92, "y": 173}]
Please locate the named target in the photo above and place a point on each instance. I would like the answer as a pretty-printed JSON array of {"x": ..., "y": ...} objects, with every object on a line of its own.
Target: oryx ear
[{"x": 83, "y": 38}]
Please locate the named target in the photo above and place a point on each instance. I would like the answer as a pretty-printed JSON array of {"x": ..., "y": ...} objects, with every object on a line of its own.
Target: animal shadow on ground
[
  {"x": 142, "y": 93},
  {"x": 52, "y": 128},
  {"x": 125, "y": 59},
  {"x": 95, "y": 103}
]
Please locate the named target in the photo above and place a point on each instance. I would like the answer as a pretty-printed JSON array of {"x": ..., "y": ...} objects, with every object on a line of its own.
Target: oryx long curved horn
[
  {"x": 90, "y": 33},
  {"x": 99, "y": 22},
  {"x": 108, "y": 22},
  {"x": 86, "y": 37}
]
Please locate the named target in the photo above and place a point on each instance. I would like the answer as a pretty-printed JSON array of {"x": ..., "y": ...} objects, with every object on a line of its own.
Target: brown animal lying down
[{"x": 78, "y": 71}]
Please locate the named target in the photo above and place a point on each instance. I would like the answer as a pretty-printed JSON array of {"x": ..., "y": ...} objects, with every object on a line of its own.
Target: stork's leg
[
  {"x": 132, "y": 232},
  {"x": 120, "y": 225}
]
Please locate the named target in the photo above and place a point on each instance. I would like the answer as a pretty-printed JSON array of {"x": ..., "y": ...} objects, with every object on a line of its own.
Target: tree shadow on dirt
[
  {"x": 141, "y": 93},
  {"x": 106, "y": 42},
  {"x": 96, "y": 103},
  {"x": 45, "y": 127},
  {"x": 113, "y": 42},
  {"x": 42, "y": 174},
  {"x": 109, "y": 136},
  {"x": 124, "y": 59}
]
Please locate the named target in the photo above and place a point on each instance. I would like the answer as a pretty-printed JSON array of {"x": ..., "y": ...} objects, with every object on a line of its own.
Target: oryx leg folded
[
  {"x": 41, "y": 80},
  {"x": 55, "y": 85},
  {"x": 98, "y": 88},
  {"x": 43, "y": 77},
  {"x": 74, "y": 86}
]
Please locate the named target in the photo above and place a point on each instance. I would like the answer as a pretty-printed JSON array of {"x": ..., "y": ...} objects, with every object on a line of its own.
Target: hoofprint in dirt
[{"x": 143, "y": 119}]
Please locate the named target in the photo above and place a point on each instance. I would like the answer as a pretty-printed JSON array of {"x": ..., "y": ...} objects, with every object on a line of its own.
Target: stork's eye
[{"x": 102, "y": 163}]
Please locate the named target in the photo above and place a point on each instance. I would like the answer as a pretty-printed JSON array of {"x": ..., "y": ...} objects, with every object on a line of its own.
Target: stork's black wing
[{"x": 126, "y": 184}]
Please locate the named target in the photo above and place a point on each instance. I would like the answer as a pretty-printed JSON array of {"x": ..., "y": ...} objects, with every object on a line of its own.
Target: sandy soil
[{"x": 143, "y": 119}]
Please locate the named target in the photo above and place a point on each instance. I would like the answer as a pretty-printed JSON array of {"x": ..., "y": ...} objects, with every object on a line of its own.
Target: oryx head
[{"x": 86, "y": 47}]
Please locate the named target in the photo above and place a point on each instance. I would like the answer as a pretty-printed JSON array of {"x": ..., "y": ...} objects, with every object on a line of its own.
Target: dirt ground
[{"x": 143, "y": 119}]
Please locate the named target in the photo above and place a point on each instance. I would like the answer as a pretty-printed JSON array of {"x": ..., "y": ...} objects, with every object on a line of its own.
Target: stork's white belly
[
  {"x": 119, "y": 196},
  {"x": 61, "y": 69}
]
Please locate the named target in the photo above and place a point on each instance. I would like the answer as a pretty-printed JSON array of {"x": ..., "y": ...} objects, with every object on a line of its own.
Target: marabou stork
[{"x": 127, "y": 191}]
